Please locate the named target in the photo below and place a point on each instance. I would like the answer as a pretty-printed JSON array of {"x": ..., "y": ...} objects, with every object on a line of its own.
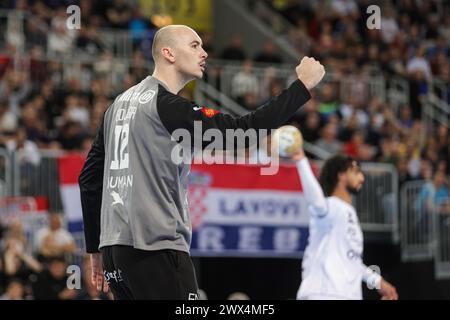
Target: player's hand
[
  {"x": 387, "y": 291},
  {"x": 97, "y": 277},
  {"x": 310, "y": 72},
  {"x": 299, "y": 155}
]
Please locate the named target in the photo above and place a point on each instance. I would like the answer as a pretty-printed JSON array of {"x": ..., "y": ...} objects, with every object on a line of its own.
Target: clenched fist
[{"x": 310, "y": 72}]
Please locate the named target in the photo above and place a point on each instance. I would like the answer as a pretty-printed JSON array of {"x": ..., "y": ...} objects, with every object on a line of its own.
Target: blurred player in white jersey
[{"x": 332, "y": 264}]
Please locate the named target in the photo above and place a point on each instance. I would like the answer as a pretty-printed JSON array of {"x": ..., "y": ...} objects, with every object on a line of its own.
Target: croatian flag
[
  {"x": 70, "y": 166},
  {"x": 236, "y": 211}
]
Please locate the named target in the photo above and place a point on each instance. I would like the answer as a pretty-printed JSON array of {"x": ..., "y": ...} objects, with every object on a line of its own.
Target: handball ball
[{"x": 287, "y": 141}]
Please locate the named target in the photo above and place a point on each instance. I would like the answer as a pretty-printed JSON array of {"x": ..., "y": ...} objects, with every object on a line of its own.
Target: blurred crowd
[
  {"x": 413, "y": 44},
  {"x": 33, "y": 265},
  {"x": 42, "y": 103},
  {"x": 45, "y": 264}
]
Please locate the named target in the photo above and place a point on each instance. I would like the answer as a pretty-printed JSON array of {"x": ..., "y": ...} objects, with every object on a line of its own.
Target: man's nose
[{"x": 204, "y": 54}]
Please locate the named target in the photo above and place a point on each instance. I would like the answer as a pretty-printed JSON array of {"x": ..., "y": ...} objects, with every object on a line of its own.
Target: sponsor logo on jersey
[
  {"x": 117, "y": 199},
  {"x": 146, "y": 96},
  {"x": 115, "y": 275},
  {"x": 209, "y": 112},
  {"x": 135, "y": 96}
]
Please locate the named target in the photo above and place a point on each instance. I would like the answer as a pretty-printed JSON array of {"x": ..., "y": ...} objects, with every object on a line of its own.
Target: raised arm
[
  {"x": 178, "y": 113},
  {"x": 312, "y": 191}
]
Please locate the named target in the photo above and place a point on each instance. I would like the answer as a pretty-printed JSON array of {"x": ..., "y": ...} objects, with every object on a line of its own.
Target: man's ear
[{"x": 168, "y": 54}]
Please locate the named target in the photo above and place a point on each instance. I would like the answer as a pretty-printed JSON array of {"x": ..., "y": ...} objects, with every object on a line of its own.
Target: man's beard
[{"x": 353, "y": 191}]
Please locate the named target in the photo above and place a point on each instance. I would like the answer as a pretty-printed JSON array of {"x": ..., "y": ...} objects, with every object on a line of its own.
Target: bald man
[{"x": 134, "y": 195}]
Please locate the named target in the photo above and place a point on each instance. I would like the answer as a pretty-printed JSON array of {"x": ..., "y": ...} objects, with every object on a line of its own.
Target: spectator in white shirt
[
  {"x": 419, "y": 63},
  {"x": 244, "y": 82},
  {"x": 54, "y": 241}
]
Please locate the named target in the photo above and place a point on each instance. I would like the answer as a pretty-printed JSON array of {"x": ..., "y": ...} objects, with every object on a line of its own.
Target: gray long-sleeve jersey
[{"x": 132, "y": 192}]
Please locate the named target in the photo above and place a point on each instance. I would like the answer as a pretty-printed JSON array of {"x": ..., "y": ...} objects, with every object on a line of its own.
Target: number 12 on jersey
[{"x": 120, "y": 159}]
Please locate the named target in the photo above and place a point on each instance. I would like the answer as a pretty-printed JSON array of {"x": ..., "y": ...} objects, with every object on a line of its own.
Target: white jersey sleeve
[
  {"x": 372, "y": 278},
  {"x": 312, "y": 191}
]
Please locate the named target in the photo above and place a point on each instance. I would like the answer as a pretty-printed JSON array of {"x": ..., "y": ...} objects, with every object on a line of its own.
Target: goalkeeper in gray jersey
[{"x": 134, "y": 197}]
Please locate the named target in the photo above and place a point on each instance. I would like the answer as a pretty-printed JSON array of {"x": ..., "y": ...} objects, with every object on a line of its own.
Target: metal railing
[
  {"x": 263, "y": 74},
  {"x": 252, "y": 29},
  {"x": 372, "y": 86},
  {"x": 377, "y": 202},
  {"x": 80, "y": 253},
  {"x": 206, "y": 94},
  {"x": 442, "y": 258},
  {"x": 5, "y": 174},
  {"x": 435, "y": 110},
  {"x": 39, "y": 177},
  {"x": 397, "y": 93},
  {"x": 12, "y": 25},
  {"x": 417, "y": 236},
  {"x": 118, "y": 42},
  {"x": 423, "y": 235},
  {"x": 260, "y": 72},
  {"x": 84, "y": 69},
  {"x": 438, "y": 87},
  {"x": 25, "y": 209},
  {"x": 32, "y": 224},
  {"x": 277, "y": 22}
]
